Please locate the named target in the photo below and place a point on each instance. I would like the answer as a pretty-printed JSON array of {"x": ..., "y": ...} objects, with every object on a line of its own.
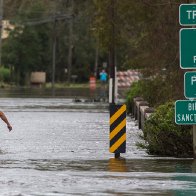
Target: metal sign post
[
  {"x": 185, "y": 110},
  {"x": 194, "y": 141},
  {"x": 117, "y": 112}
]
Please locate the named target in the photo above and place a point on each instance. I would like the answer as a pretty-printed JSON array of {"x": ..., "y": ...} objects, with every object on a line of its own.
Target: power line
[
  {"x": 38, "y": 21},
  {"x": 159, "y": 4}
]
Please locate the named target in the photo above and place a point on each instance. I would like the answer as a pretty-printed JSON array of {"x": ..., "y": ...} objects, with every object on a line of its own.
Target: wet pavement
[{"x": 60, "y": 148}]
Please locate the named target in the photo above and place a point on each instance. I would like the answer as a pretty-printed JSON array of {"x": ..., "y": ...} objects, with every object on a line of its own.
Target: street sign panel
[
  {"x": 187, "y": 14},
  {"x": 185, "y": 112},
  {"x": 188, "y": 48},
  {"x": 190, "y": 85}
]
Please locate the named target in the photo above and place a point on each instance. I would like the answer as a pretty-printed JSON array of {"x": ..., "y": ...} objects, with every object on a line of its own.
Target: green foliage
[
  {"x": 146, "y": 36},
  {"x": 26, "y": 48},
  {"x": 135, "y": 90},
  {"x": 4, "y": 74},
  {"x": 83, "y": 73},
  {"x": 29, "y": 46},
  {"x": 155, "y": 90},
  {"x": 166, "y": 138}
]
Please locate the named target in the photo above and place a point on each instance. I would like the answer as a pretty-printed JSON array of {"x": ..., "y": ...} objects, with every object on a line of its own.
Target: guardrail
[{"x": 141, "y": 111}]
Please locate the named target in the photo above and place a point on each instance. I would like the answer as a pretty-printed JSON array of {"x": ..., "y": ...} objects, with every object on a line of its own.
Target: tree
[
  {"x": 146, "y": 38},
  {"x": 26, "y": 48}
]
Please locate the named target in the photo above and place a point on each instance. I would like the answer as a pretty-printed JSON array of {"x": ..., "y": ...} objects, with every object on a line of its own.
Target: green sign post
[
  {"x": 185, "y": 112},
  {"x": 187, "y": 14},
  {"x": 188, "y": 48},
  {"x": 190, "y": 85}
]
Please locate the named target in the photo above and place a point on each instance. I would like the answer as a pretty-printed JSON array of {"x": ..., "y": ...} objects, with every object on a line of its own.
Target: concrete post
[
  {"x": 135, "y": 106},
  {"x": 148, "y": 112},
  {"x": 139, "y": 104},
  {"x": 142, "y": 111}
]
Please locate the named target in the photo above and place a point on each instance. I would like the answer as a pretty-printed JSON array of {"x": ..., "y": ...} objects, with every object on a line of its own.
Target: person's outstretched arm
[{"x": 3, "y": 117}]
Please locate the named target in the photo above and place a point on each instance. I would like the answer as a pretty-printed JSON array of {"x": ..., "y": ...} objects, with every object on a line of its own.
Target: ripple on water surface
[{"x": 57, "y": 150}]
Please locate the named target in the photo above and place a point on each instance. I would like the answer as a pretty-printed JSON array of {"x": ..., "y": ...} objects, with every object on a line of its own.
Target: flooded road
[{"x": 58, "y": 147}]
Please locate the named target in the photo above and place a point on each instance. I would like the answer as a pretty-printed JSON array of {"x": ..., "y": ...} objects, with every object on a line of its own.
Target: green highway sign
[
  {"x": 187, "y": 14},
  {"x": 185, "y": 112},
  {"x": 188, "y": 48},
  {"x": 190, "y": 85}
]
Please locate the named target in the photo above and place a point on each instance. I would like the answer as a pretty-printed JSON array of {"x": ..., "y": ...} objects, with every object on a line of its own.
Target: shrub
[
  {"x": 134, "y": 91},
  {"x": 164, "y": 137},
  {"x": 4, "y": 74},
  {"x": 156, "y": 91}
]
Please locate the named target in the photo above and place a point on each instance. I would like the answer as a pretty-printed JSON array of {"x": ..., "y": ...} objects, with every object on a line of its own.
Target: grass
[
  {"x": 49, "y": 85},
  {"x": 71, "y": 85}
]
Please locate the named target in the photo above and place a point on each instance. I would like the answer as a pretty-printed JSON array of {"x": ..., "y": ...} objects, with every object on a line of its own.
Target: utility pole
[
  {"x": 112, "y": 53},
  {"x": 54, "y": 57},
  {"x": 70, "y": 53},
  {"x": 112, "y": 58},
  {"x": 194, "y": 126},
  {"x": 53, "y": 19},
  {"x": 1, "y": 27},
  {"x": 96, "y": 56}
]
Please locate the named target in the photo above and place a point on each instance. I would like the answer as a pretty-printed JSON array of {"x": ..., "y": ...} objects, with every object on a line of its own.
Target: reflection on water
[
  {"x": 117, "y": 165},
  {"x": 60, "y": 151},
  {"x": 34, "y": 92},
  {"x": 101, "y": 177},
  {"x": 47, "y": 92},
  {"x": 111, "y": 165},
  {"x": 49, "y": 105}
]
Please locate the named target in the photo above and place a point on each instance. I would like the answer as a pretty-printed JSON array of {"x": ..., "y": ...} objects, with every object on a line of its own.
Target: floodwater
[{"x": 59, "y": 148}]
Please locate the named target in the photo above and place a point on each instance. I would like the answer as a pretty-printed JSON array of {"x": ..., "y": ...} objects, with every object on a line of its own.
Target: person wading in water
[
  {"x": 4, "y": 118},
  {"x": 103, "y": 78}
]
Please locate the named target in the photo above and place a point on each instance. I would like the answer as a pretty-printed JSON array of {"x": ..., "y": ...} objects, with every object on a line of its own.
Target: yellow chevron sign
[{"x": 117, "y": 128}]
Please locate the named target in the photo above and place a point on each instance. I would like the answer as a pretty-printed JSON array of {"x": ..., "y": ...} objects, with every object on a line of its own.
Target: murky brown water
[{"x": 58, "y": 150}]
